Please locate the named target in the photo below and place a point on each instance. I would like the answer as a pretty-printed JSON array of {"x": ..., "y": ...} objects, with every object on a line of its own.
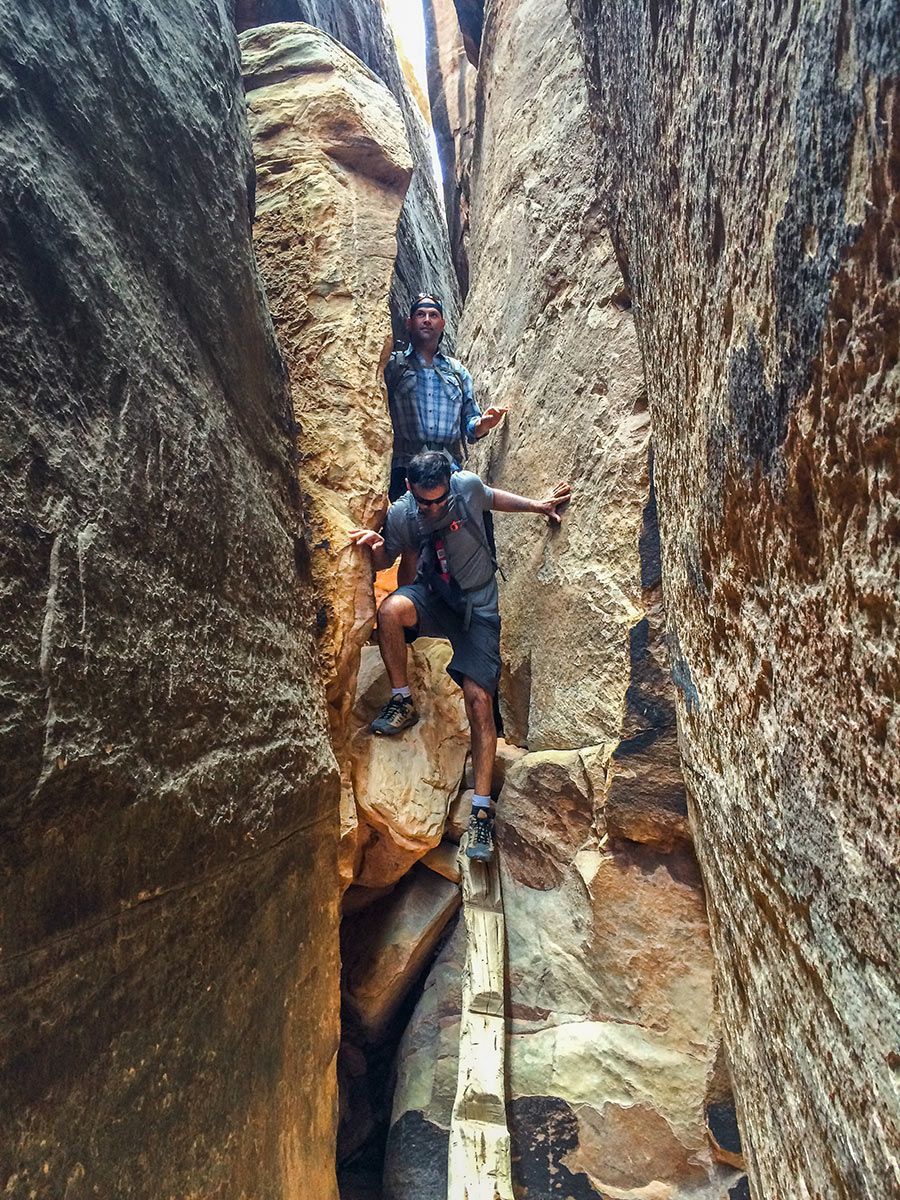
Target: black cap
[{"x": 426, "y": 299}]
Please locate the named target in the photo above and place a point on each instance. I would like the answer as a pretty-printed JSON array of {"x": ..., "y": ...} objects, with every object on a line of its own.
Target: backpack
[{"x": 428, "y": 571}]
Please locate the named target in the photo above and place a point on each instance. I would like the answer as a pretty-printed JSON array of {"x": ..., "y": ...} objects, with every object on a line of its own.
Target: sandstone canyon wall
[
  {"x": 169, "y": 800},
  {"x": 750, "y": 165},
  {"x": 613, "y": 1043},
  {"x": 332, "y": 168}
]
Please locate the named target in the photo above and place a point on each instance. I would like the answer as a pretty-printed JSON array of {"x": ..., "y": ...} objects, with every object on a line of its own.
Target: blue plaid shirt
[{"x": 431, "y": 407}]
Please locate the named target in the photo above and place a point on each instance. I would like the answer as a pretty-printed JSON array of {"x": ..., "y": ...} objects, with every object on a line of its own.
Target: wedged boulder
[
  {"x": 385, "y": 948},
  {"x": 646, "y": 799},
  {"x": 612, "y": 1034},
  {"x": 403, "y": 784},
  {"x": 168, "y": 798},
  {"x": 444, "y": 858},
  {"x": 332, "y": 169},
  {"x": 751, "y": 180},
  {"x": 458, "y": 814},
  {"x": 423, "y": 252},
  {"x": 558, "y": 348}
]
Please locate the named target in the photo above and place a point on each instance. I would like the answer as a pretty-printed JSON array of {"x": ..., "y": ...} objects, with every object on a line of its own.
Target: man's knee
[
  {"x": 397, "y": 610},
  {"x": 479, "y": 702}
]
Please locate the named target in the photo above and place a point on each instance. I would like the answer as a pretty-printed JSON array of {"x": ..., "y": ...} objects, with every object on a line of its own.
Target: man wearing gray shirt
[{"x": 454, "y": 596}]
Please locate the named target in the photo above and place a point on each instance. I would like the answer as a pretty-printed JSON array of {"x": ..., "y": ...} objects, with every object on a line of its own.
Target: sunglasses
[{"x": 431, "y": 503}]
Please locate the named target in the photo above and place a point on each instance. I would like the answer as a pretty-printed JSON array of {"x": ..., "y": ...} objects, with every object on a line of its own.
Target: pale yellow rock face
[
  {"x": 403, "y": 785},
  {"x": 451, "y": 89},
  {"x": 544, "y": 334},
  {"x": 332, "y": 167}
]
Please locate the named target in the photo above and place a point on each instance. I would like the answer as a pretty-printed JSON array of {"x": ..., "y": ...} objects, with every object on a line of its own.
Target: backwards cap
[{"x": 426, "y": 300}]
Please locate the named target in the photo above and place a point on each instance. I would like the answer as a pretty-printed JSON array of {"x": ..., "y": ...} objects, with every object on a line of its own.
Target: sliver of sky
[{"x": 408, "y": 24}]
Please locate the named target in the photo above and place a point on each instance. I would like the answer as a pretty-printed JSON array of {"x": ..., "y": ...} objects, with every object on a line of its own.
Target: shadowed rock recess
[{"x": 169, "y": 798}]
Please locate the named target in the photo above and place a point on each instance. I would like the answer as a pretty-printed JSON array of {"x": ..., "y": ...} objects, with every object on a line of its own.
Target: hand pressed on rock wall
[
  {"x": 561, "y": 494},
  {"x": 511, "y": 502},
  {"x": 491, "y": 417}
]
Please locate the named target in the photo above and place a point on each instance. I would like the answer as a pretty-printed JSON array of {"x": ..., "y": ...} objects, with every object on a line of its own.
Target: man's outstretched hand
[
  {"x": 560, "y": 495},
  {"x": 489, "y": 418},
  {"x": 366, "y": 537}
]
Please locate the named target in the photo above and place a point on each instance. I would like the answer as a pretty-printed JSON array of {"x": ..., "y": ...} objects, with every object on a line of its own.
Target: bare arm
[
  {"x": 510, "y": 502},
  {"x": 375, "y": 543}
]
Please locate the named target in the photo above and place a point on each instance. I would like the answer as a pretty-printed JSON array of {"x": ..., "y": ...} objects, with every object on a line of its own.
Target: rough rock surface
[
  {"x": 612, "y": 1036},
  {"x": 752, "y": 170},
  {"x": 332, "y": 167},
  {"x": 451, "y": 90},
  {"x": 403, "y": 785},
  {"x": 547, "y": 333},
  {"x": 169, "y": 796},
  {"x": 423, "y": 258}
]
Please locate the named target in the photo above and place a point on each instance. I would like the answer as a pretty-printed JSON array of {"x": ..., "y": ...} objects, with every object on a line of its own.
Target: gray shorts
[{"x": 476, "y": 650}]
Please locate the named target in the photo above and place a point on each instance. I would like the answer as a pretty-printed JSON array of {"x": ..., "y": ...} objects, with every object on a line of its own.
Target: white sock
[
  {"x": 404, "y": 691},
  {"x": 481, "y": 801}
]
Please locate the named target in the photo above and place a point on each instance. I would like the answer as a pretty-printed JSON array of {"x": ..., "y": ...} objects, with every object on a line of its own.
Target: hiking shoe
[
  {"x": 481, "y": 836},
  {"x": 398, "y": 714}
]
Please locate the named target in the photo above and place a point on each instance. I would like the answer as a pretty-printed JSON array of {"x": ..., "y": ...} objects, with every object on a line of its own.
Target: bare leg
[
  {"x": 480, "y": 711},
  {"x": 406, "y": 572},
  {"x": 395, "y": 614}
]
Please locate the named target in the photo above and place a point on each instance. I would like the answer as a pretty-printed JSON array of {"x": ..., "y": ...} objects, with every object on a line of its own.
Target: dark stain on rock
[
  {"x": 543, "y": 1130},
  {"x": 416, "y": 1159},
  {"x": 681, "y": 677},
  {"x": 648, "y": 541},
  {"x": 648, "y": 699},
  {"x": 722, "y": 1121}
]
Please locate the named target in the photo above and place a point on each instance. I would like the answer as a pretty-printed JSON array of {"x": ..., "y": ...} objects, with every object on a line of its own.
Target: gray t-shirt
[{"x": 468, "y": 558}]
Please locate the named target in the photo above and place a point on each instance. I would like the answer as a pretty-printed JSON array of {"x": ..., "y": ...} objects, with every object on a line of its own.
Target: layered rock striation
[
  {"x": 749, "y": 164},
  {"x": 332, "y": 168},
  {"x": 169, "y": 797}
]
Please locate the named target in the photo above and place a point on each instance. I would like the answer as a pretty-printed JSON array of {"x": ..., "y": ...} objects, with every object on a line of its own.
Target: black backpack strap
[{"x": 456, "y": 367}]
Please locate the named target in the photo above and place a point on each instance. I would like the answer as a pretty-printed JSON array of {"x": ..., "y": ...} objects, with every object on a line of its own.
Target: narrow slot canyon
[{"x": 245, "y": 955}]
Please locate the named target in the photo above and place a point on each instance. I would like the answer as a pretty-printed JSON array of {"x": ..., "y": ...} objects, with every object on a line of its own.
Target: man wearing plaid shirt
[{"x": 430, "y": 395}]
